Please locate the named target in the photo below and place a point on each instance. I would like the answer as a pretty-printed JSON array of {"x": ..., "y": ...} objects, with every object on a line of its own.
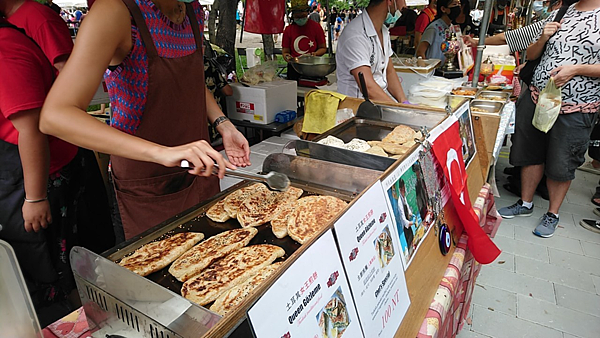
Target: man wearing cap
[
  {"x": 365, "y": 47},
  {"x": 301, "y": 37}
]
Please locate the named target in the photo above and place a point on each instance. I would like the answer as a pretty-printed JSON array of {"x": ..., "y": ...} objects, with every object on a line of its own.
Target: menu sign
[
  {"x": 369, "y": 246},
  {"x": 311, "y": 299}
]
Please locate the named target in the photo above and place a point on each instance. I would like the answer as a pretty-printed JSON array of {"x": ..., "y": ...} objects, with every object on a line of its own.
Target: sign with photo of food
[
  {"x": 309, "y": 300},
  {"x": 369, "y": 246}
]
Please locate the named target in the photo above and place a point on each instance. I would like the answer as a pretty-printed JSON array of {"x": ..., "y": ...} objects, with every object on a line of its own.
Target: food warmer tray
[
  {"x": 477, "y": 91},
  {"x": 495, "y": 96},
  {"x": 368, "y": 130},
  {"x": 116, "y": 299},
  {"x": 486, "y": 107}
]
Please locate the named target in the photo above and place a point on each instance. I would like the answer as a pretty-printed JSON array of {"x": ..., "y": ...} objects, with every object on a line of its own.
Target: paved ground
[{"x": 539, "y": 287}]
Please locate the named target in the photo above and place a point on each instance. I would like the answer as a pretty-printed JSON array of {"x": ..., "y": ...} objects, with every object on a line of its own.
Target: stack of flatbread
[{"x": 395, "y": 144}]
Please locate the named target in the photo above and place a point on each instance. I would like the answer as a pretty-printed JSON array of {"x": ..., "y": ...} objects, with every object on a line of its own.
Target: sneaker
[
  {"x": 597, "y": 212},
  {"x": 547, "y": 226},
  {"x": 591, "y": 224},
  {"x": 516, "y": 209}
]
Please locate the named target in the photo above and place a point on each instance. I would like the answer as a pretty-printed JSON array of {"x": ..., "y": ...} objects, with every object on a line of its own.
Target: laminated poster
[
  {"x": 467, "y": 136},
  {"x": 311, "y": 299},
  {"x": 412, "y": 209},
  {"x": 370, "y": 250}
]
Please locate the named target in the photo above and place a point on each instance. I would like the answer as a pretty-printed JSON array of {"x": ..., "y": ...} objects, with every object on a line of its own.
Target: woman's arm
[{"x": 35, "y": 159}]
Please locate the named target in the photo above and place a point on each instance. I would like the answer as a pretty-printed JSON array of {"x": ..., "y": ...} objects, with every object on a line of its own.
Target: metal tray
[
  {"x": 489, "y": 95},
  {"x": 487, "y": 107},
  {"x": 346, "y": 182},
  {"x": 477, "y": 91},
  {"x": 368, "y": 130}
]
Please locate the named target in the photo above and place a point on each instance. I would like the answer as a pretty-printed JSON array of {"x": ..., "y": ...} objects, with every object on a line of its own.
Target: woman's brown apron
[{"x": 175, "y": 114}]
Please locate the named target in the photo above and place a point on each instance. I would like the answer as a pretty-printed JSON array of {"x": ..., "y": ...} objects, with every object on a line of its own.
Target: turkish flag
[
  {"x": 264, "y": 16},
  {"x": 447, "y": 150}
]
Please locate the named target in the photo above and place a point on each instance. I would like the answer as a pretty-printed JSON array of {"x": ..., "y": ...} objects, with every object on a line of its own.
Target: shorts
[{"x": 561, "y": 150}]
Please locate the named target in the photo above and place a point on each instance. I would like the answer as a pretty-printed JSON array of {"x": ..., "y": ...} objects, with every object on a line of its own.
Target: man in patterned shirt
[{"x": 572, "y": 57}]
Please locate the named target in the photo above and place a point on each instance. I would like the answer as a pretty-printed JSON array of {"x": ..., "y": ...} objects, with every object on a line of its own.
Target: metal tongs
[{"x": 273, "y": 180}]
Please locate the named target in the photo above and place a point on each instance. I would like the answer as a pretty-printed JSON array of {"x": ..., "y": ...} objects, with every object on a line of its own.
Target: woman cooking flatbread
[
  {"x": 160, "y": 105},
  {"x": 301, "y": 37}
]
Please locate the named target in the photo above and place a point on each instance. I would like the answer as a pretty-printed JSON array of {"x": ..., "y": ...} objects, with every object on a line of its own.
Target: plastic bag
[{"x": 548, "y": 107}]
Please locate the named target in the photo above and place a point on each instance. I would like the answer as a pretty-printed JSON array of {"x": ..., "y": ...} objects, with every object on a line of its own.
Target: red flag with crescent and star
[
  {"x": 447, "y": 150},
  {"x": 264, "y": 16}
]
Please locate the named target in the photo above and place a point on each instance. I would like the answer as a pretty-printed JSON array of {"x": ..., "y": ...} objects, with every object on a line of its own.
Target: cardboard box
[{"x": 260, "y": 103}]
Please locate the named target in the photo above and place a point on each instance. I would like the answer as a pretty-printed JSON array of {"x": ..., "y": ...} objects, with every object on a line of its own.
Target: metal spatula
[
  {"x": 367, "y": 109},
  {"x": 273, "y": 180}
]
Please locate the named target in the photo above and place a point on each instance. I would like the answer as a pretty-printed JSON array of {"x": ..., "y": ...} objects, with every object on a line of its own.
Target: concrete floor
[{"x": 547, "y": 288}]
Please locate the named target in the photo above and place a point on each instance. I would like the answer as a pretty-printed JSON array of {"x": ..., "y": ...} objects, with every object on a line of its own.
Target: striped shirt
[{"x": 519, "y": 39}]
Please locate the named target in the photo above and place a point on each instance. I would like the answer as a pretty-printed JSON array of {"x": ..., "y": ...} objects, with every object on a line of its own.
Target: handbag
[{"x": 526, "y": 74}]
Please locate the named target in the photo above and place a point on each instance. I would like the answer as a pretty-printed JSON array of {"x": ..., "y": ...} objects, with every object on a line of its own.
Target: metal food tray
[
  {"x": 368, "y": 130},
  {"x": 489, "y": 107},
  {"x": 345, "y": 183},
  {"x": 495, "y": 96},
  {"x": 477, "y": 91}
]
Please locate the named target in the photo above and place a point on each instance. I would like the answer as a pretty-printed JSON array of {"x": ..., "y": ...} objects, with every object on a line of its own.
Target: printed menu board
[
  {"x": 370, "y": 250},
  {"x": 311, "y": 299}
]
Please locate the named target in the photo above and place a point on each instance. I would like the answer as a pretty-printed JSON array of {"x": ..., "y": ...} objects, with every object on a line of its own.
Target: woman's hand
[
  {"x": 36, "y": 216},
  {"x": 236, "y": 145},
  {"x": 199, "y": 153},
  {"x": 563, "y": 74},
  {"x": 549, "y": 30}
]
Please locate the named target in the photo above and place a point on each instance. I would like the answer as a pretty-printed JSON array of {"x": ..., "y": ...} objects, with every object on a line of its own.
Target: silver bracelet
[
  {"x": 36, "y": 201},
  {"x": 220, "y": 120}
]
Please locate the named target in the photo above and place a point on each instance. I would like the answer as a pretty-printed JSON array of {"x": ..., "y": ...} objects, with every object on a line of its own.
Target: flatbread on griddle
[
  {"x": 202, "y": 255},
  {"x": 260, "y": 207},
  {"x": 280, "y": 219},
  {"x": 217, "y": 212},
  {"x": 234, "y": 200},
  {"x": 157, "y": 255},
  {"x": 311, "y": 214},
  {"x": 235, "y": 296},
  {"x": 229, "y": 272}
]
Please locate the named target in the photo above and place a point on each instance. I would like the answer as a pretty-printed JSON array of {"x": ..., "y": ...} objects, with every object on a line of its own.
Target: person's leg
[
  {"x": 567, "y": 143},
  {"x": 558, "y": 191},
  {"x": 530, "y": 178}
]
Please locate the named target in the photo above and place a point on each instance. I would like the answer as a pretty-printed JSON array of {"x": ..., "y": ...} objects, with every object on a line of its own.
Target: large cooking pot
[{"x": 314, "y": 66}]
